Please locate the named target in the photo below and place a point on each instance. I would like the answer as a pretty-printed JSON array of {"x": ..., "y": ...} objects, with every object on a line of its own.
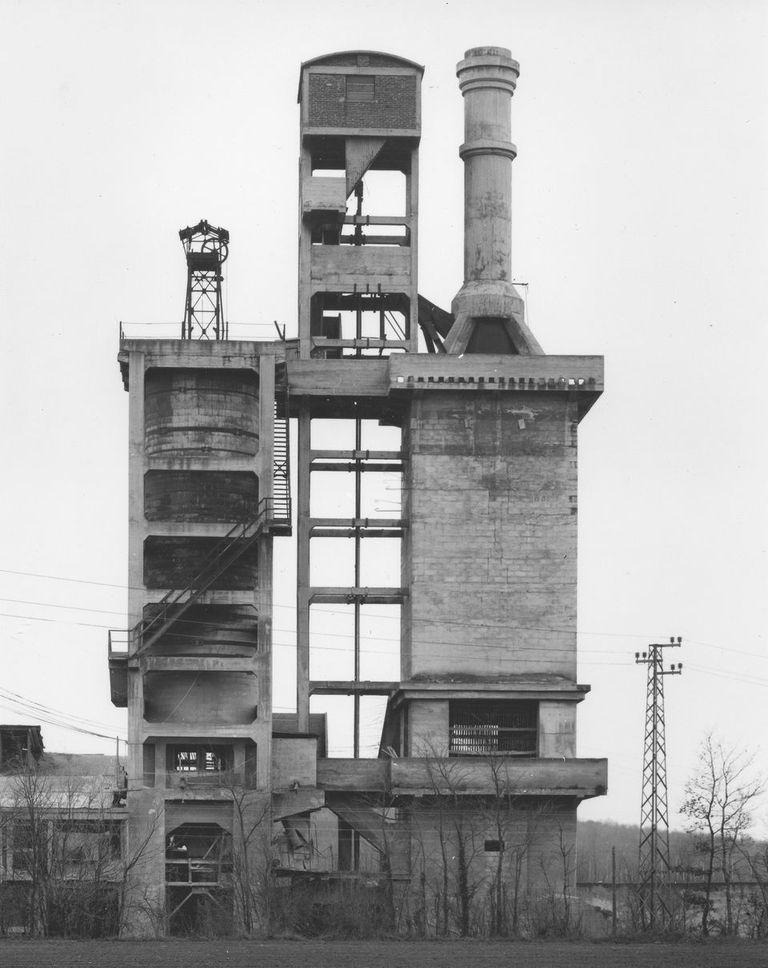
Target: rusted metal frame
[
  {"x": 349, "y": 467},
  {"x": 394, "y": 240},
  {"x": 350, "y": 533},
  {"x": 376, "y": 220},
  {"x": 356, "y": 522},
  {"x": 355, "y": 454},
  {"x": 341, "y": 687},
  {"x": 360, "y": 343},
  {"x": 347, "y": 595}
]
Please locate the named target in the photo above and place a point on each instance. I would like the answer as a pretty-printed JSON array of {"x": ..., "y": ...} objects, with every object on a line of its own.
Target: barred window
[
  {"x": 478, "y": 728},
  {"x": 200, "y": 759}
]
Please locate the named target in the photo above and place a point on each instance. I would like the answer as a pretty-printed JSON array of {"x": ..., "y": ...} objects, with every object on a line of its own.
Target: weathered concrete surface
[
  {"x": 491, "y": 545},
  {"x": 415, "y": 776}
]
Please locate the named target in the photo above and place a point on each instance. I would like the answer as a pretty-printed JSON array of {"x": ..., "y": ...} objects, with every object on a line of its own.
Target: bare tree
[
  {"x": 69, "y": 854},
  {"x": 251, "y": 854},
  {"x": 717, "y": 805}
]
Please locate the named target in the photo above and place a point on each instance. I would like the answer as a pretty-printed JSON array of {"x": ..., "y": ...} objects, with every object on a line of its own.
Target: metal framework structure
[
  {"x": 206, "y": 249},
  {"x": 653, "y": 868}
]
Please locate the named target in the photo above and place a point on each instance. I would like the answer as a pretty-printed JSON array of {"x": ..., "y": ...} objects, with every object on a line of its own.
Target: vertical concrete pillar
[
  {"x": 262, "y": 732},
  {"x": 302, "y": 565},
  {"x": 136, "y": 535}
]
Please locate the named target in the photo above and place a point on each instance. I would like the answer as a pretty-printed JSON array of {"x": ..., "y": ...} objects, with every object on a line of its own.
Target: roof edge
[{"x": 379, "y": 53}]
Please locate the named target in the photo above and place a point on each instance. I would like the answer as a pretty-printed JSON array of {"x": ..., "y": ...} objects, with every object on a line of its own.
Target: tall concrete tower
[{"x": 207, "y": 460}]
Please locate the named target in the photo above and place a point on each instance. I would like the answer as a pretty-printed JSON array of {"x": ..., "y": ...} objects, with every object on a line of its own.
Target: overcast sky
[{"x": 639, "y": 223}]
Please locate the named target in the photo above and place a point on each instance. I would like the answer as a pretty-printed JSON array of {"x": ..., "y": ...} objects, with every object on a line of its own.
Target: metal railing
[
  {"x": 241, "y": 332},
  {"x": 117, "y": 642},
  {"x": 176, "y": 602},
  {"x": 281, "y": 469}
]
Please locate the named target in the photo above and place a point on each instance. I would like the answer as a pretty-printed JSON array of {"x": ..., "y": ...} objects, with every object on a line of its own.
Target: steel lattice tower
[
  {"x": 206, "y": 250},
  {"x": 653, "y": 867}
]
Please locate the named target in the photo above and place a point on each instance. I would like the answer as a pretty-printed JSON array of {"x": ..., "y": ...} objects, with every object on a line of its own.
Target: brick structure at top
[{"x": 394, "y": 103}]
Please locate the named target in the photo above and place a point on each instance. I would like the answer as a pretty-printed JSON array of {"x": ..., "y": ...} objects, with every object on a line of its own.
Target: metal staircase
[
  {"x": 233, "y": 546},
  {"x": 273, "y": 517}
]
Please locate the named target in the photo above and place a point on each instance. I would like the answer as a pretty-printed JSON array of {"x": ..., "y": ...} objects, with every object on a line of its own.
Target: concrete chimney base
[{"x": 488, "y": 302}]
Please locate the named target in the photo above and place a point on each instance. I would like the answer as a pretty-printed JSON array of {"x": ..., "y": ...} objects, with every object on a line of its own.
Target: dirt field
[{"x": 373, "y": 954}]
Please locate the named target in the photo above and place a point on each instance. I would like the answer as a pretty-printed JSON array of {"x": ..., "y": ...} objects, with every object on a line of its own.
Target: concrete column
[
  {"x": 302, "y": 568},
  {"x": 136, "y": 535}
]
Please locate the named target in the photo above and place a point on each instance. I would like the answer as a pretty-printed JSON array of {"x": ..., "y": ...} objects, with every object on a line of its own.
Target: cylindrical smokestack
[
  {"x": 489, "y": 314},
  {"x": 487, "y": 79}
]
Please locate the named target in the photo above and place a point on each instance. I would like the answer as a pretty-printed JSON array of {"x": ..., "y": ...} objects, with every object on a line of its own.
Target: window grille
[
  {"x": 200, "y": 759},
  {"x": 480, "y": 728}
]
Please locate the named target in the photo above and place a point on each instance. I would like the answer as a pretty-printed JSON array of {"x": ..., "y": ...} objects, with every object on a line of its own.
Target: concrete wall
[
  {"x": 200, "y": 453},
  {"x": 200, "y": 495},
  {"x": 210, "y": 630},
  {"x": 215, "y": 698},
  {"x": 526, "y": 877},
  {"x": 557, "y": 729},
  {"x": 199, "y": 411},
  {"x": 490, "y": 552},
  {"x": 428, "y": 728},
  {"x": 427, "y": 731},
  {"x": 294, "y": 760}
]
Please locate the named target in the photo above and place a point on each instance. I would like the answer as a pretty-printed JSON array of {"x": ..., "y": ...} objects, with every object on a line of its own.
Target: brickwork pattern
[{"x": 394, "y": 105}]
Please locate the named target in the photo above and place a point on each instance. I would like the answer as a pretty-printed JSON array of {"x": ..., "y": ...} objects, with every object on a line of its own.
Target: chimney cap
[
  {"x": 488, "y": 52},
  {"x": 487, "y": 67}
]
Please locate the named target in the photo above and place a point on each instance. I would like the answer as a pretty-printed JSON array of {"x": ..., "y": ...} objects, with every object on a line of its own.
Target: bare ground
[{"x": 379, "y": 954}]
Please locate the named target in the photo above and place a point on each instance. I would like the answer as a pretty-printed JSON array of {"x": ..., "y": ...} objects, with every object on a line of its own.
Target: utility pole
[{"x": 653, "y": 868}]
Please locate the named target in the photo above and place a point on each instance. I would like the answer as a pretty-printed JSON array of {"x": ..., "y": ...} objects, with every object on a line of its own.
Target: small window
[
  {"x": 200, "y": 759},
  {"x": 186, "y": 761},
  {"x": 360, "y": 88},
  {"x": 494, "y": 846}
]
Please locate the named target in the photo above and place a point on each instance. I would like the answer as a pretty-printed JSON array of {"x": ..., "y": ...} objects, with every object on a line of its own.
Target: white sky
[{"x": 640, "y": 214}]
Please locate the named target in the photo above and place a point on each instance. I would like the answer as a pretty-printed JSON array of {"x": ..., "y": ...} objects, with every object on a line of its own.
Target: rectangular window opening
[
  {"x": 360, "y": 87},
  {"x": 508, "y": 727},
  {"x": 200, "y": 759}
]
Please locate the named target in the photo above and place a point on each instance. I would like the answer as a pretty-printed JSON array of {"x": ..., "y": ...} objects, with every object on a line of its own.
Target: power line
[
  {"x": 17, "y": 697},
  {"x": 379, "y": 638},
  {"x": 331, "y": 611},
  {"x": 49, "y": 721}
]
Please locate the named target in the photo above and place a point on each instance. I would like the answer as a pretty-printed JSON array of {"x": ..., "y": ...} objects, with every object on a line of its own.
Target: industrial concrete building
[{"x": 480, "y": 427}]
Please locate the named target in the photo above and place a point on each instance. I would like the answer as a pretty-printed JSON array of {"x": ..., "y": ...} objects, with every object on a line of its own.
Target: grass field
[{"x": 378, "y": 954}]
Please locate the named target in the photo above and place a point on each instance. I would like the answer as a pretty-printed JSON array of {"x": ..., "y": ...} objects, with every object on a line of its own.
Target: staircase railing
[
  {"x": 273, "y": 514},
  {"x": 175, "y": 603}
]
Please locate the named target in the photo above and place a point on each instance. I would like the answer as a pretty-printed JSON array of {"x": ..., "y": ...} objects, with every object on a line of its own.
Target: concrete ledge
[{"x": 411, "y": 776}]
